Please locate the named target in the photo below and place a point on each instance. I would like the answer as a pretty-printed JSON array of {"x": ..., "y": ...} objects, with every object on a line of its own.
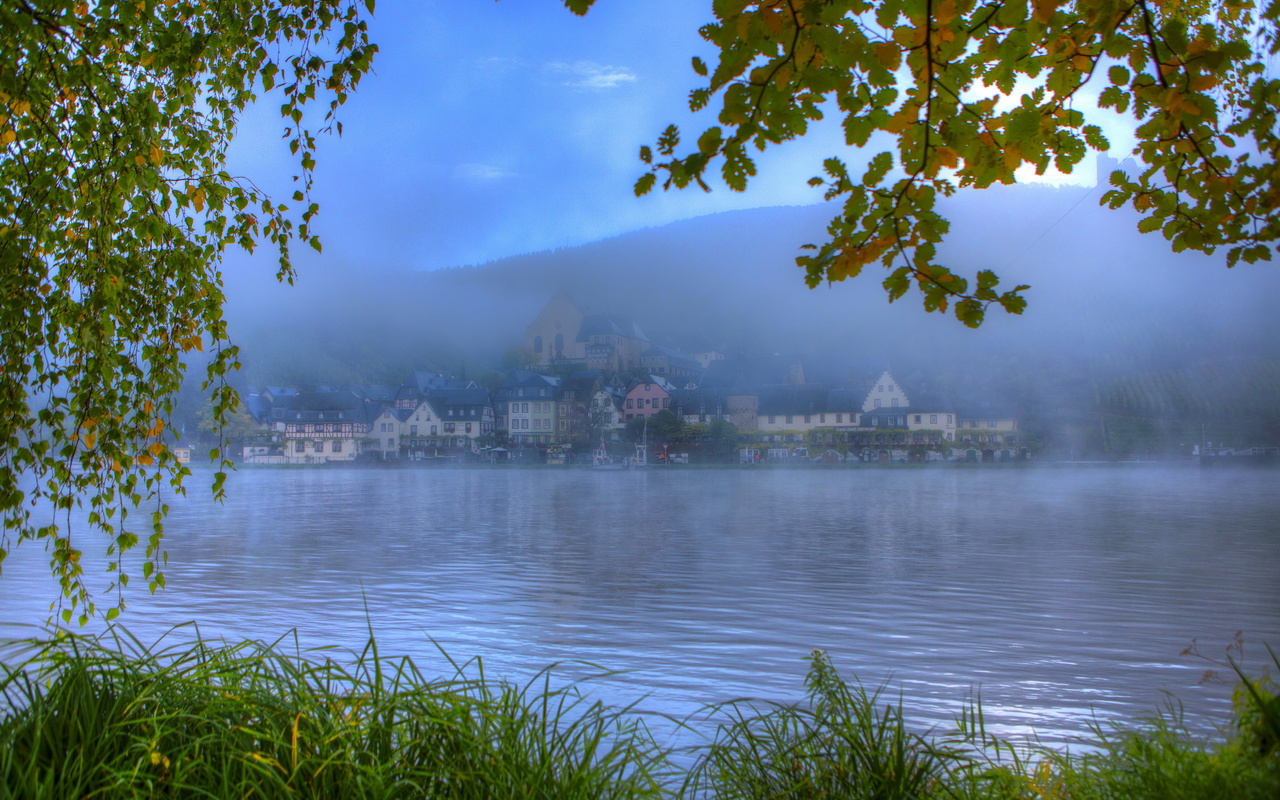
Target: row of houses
[{"x": 432, "y": 415}]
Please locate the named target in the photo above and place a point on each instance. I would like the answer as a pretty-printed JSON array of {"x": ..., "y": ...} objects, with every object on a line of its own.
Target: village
[{"x": 594, "y": 383}]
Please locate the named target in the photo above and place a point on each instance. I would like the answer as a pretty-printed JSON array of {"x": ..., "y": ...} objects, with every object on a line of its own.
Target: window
[
  {"x": 875, "y": 421},
  {"x": 772, "y": 419},
  {"x": 894, "y": 402},
  {"x": 537, "y": 344},
  {"x": 806, "y": 419},
  {"x": 991, "y": 423},
  {"x": 390, "y": 443},
  {"x": 298, "y": 446},
  {"x": 564, "y": 424},
  {"x": 948, "y": 419},
  {"x": 319, "y": 447},
  {"x": 524, "y": 408},
  {"x": 933, "y": 419},
  {"x": 839, "y": 418},
  {"x": 468, "y": 427},
  {"x": 630, "y": 404},
  {"x": 822, "y": 419},
  {"x": 790, "y": 419},
  {"x": 337, "y": 445},
  {"x": 880, "y": 388},
  {"x": 918, "y": 419},
  {"x": 877, "y": 402},
  {"x": 413, "y": 430},
  {"x": 433, "y": 430},
  {"x": 666, "y": 402}
]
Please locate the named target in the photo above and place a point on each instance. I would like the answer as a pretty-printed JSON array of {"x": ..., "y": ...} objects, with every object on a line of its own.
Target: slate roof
[
  {"x": 927, "y": 402},
  {"x": 337, "y": 406},
  {"x": 798, "y": 398}
]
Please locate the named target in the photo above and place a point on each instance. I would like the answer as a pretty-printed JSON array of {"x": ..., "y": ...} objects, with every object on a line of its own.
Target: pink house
[{"x": 647, "y": 398}]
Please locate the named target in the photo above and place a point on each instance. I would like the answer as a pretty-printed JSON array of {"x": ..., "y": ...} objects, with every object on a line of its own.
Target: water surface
[{"x": 1062, "y": 595}]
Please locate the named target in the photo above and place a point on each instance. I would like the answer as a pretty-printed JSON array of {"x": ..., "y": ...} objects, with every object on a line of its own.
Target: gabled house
[
  {"x": 384, "y": 432},
  {"x": 647, "y": 397},
  {"x": 885, "y": 393},
  {"x": 525, "y": 408},
  {"x": 605, "y": 412},
  {"x": 324, "y": 426}
]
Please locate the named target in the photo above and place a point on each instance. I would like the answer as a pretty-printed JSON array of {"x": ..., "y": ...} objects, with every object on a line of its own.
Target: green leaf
[{"x": 645, "y": 183}]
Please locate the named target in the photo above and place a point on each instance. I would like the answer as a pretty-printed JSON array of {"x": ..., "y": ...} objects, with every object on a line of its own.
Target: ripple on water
[{"x": 1062, "y": 597}]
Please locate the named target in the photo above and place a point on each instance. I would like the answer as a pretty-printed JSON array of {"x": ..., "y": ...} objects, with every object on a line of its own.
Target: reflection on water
[{"x": 1062, "y": 595}]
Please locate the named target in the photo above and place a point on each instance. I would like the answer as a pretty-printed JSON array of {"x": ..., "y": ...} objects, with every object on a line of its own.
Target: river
[{"x": 1063, "y": 595}]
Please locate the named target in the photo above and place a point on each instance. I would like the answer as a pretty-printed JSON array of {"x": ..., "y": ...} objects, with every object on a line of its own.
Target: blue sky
[{"x": 497, "y": 128}]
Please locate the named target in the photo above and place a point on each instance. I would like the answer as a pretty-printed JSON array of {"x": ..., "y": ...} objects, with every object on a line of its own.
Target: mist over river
[{"x": 1063, "y": 594}]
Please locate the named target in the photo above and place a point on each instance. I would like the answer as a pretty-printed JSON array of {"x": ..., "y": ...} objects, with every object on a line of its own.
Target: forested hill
[{"x": 1106, "y": 303}]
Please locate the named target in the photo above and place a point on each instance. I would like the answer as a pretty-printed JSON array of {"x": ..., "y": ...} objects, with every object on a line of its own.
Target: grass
[
  {"x": 115, "y": 719},
  {"x": 112, "y": 718}
]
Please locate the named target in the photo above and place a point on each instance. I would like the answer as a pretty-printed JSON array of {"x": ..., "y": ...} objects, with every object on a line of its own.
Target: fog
[{"x": 1107, "y": 304}]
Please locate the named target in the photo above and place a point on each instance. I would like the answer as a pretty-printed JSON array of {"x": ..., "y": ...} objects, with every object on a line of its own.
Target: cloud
[
  {"x": 590, "y": 75},
  {"x": 483, "y": 172}
]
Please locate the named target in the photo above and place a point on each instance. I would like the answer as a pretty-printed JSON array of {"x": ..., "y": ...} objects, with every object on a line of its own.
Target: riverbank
[{"x": 114, "y": 718}]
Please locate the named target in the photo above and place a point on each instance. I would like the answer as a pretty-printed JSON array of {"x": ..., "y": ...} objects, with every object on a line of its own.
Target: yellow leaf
[
  {"x": 1044, "y": 10},
  {"x": 146, "y": 460},
  {"x": 156, "y": 449},
  {"x": 197, "y": 199},
  {"x": 1082, "y": 62},
  {"x": 1202, "y": 83},
  {"x": 945, "y": 12},
  {"x": 156, "y": 155},
  {"x": 947, "y": 157},
  {"x": 889, "y": 54},
  {"x": 1012, "y": 156},
  {"x": 140, "y": 160},
  {"x": 773, "y": 21},
  {"x": 90, "y": 439},
  {"x": 8, "y": 136}
]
